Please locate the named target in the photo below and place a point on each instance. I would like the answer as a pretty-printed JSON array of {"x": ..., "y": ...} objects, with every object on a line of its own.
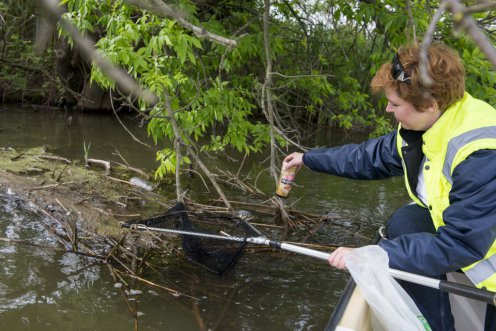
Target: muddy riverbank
[{"x": 72, "y": 191}]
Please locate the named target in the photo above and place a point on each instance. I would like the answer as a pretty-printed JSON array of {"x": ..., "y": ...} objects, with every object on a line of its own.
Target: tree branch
[
  {"x": 86, "y": 46},
  {"x": 425, "y": 78},
  {"x": 467, "y": 22},
  {"x": 267, "y": 104},
  {"x": 205, "y": 170},
  {"x": 162, "y": 9}
]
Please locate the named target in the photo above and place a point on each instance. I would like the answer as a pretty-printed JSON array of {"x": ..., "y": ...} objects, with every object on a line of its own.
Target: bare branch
[
  {"x": 122, "y": 124},
  {"x": 86, "y": 46},
  {"x": 468, "y": 23},
  {"x": 267, "y": 104},
  {"x": 162, "y": 9},
  {"x": 424, "y": 47},
  {"x": 411, "y": 21},
  {"x": 480, "y": 7},
  {"x": 191, "y": 152}
]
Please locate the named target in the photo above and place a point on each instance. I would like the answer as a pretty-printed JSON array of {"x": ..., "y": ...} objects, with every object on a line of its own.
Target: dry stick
[
  {"x": 61, "y": 205},
  {"x": 235, "y": 181},
  {"x": 122, "y": 124},
  {"x": 49, "y": 229},
  {"x": 205, "y": 170},
  {"x": 126, "y": 254},
  {"x": 55, "y": 158},
  {"x": 105, "y": 164},
  {"x": 162, "y": 9},
  {"x": 116, "y": 245},
  {"x": 115, "y": 215},
  {"x": 128, "y": 167},
  {"x": 201, "y": 177},
  {"x": 50, "y": 185},
  {"x": 173, "y": 292},
  {"x": 425, "y": 78},
  {"x": 266, "y": 92},
  {"x": 177, "y": 147},
  {"x": 468, "y": 23},
  {"x": 481, "y": 7},
  {"x": 61, "y": 172},
  {"x": 267, "y": 106},
  {"x": 197, "y": 314},
  {"x": 117, "y": 277},
  {"x": 410, "y": 21},
  {"x": 241, "y": 165},
  {"x": 87, "y": 49}
]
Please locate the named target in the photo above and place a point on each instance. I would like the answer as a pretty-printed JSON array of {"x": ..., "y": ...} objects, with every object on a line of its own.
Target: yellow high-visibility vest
[{"x": 465, "y": 127}]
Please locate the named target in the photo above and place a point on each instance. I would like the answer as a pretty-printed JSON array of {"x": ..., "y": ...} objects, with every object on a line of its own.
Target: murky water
[{"x": 44, "y": 290}]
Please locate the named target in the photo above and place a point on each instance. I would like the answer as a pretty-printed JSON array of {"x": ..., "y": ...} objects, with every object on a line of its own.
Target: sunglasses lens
[{"x": 397, "y": 71}]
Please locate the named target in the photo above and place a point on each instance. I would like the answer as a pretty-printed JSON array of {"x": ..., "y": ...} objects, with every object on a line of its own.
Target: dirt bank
[{"x": 72, "y": 192}]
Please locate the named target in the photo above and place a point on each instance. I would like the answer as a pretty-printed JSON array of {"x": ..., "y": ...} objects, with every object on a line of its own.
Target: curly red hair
[{"x": 445, "y": 69}]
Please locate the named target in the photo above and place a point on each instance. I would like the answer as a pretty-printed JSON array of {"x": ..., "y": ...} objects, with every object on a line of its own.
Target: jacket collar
[{"x": 435, "y": 137}]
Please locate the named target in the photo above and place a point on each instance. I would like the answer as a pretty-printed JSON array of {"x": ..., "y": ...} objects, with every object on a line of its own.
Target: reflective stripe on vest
[
  {"x": 466, "y": 127},
  {"x": 482, "y": 270},
  {"x": 458, "y": 142}
]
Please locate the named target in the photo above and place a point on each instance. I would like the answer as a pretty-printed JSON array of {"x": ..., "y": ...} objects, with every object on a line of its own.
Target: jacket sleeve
[
  {"x": 373, "y": 159},
  {"x": 470, "y": 224}
]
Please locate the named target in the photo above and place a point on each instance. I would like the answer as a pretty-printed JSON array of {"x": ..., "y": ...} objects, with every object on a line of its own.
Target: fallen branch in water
[
  {"x": 51, "y": 185},
  {"x": 105, "y": 164},
  {"x": 55, "y": 158}
]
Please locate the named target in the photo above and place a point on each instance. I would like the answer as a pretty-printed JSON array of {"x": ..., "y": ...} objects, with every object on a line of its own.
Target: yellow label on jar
[{"x": 285, "y": 181}]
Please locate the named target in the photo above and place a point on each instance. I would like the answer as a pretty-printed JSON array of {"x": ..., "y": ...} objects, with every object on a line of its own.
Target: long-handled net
[
  {"x": 204, "y": 249},
  {"x": 217, "y": 243}
]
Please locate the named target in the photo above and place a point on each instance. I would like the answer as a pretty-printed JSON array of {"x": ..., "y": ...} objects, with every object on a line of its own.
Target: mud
[{"x": 73, "y": 192}]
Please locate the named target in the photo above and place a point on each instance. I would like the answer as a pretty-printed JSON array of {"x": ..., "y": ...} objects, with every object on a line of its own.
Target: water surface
[{"x": 46, "y": 290}]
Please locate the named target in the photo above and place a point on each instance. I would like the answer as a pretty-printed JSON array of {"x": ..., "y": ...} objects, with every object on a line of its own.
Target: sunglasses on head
[{"x": 398, "y": 72}]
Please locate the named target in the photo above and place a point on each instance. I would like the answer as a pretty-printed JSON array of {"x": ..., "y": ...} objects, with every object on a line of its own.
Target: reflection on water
[
  {"x": 46, "y": 290},
  {"x": 68, "y": 132}
]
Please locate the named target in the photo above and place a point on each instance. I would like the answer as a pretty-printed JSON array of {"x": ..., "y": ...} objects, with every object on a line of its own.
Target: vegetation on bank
[{"x": 273, "y": 66}]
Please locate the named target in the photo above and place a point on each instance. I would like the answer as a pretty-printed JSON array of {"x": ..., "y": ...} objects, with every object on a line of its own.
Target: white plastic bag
[{"x": 392, "y": 308}]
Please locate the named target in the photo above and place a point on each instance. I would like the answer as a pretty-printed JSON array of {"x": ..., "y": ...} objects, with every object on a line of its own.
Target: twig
[
  {"x": 105, "y": 164},
  {"x": 136, "y": 170},
  {"x": 51, "y": 185},
  {"x": 117, "y": 215},
  {"x": 55, "y": 158},
  {"x": 175, "y": 293},
  {"x": 192, "y": 153},
  {"x": 61, "y": 205},
  {"x": 162, "y": 9},
  {"x": 468, "y": 23},
  {"x": 88, "y": 51},
  {"x": 425, "y": 78},
  {"x": 480, "y": 7},
  {"x": 267, "y": 104},
  {"x": 122, "y": 124}
]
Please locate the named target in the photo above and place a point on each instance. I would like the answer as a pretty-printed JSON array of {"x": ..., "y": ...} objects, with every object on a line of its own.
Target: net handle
[
  {"x": 252, "y": 240},
  {"x": 182, "y": 232},
  {"x": 445, "y": 286}
]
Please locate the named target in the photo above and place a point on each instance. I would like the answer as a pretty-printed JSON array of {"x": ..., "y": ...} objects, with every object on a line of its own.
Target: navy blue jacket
[{"x": 470, "y": 220}]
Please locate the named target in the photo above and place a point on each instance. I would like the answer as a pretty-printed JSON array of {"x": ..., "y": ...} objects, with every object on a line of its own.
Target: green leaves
[{"x": 324, "y": 55}]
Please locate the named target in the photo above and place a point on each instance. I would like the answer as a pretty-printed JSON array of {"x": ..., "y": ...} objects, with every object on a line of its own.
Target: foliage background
[{"x": 323, "y": 56}]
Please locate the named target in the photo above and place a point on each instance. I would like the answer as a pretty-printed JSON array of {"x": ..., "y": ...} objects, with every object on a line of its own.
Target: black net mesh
[{"x": 217, "y": 256}]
